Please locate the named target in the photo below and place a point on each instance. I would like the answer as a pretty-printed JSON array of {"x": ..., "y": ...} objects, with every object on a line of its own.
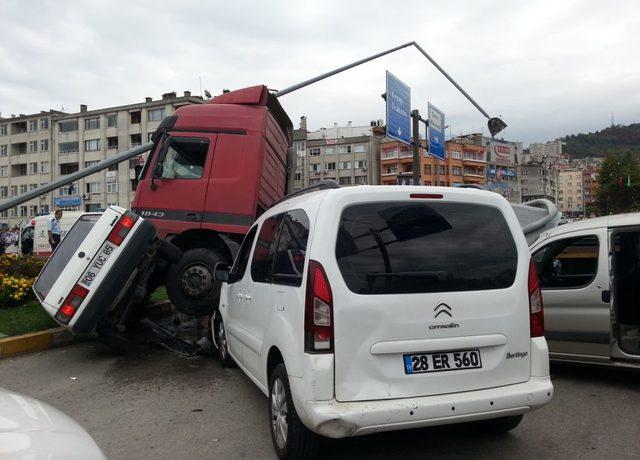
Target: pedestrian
[{"x": 54, "y": 229}]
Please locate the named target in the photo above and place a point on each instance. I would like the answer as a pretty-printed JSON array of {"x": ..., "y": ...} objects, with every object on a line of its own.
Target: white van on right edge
[{"x": 374, "y": 308}]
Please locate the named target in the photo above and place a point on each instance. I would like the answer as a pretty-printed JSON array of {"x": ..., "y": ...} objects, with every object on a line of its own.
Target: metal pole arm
[{"x": 70, "y": 178}]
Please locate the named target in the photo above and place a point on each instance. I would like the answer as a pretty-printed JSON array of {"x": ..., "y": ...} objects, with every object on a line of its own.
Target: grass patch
[
  {"x": 29, "y": 317},
  {"x": 158, "y": 295}
]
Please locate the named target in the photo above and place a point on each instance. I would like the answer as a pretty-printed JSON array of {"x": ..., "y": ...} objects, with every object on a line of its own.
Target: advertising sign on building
[
  {"x": 398, "y": 109},
  {"x": 501, "y": 153},
  {"x": 436, "y": 131}
]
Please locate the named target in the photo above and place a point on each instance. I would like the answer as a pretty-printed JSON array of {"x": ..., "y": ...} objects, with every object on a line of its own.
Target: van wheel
[
  {"x": 291, "y": 439},
  {"x": 191, "y": 286},
  {"x": 221, "y": 344},
  {"x": 501, "y": 425}
]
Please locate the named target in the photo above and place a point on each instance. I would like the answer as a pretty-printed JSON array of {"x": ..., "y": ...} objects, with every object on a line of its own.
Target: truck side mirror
[{"x": 221, "y": 272}]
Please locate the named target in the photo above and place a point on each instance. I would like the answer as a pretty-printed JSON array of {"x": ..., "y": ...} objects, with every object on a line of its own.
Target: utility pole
[{"x": 415, "y": 118}]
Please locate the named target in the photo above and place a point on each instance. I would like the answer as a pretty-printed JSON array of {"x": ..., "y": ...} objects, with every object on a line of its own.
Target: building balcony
[
  {"x": 385, "y": 174},
  {"x": 471, "y": 159}
]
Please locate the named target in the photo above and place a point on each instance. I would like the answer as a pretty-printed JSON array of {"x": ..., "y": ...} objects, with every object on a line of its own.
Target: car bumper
[{"x": 341, "y": 419}]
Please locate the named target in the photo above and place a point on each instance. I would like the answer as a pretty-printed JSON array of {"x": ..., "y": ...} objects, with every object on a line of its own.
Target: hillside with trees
[{"x": 615, "y": 140}]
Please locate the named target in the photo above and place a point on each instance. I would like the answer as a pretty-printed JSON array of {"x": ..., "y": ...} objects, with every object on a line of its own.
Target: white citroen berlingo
[{"x": 373, "y": 308}]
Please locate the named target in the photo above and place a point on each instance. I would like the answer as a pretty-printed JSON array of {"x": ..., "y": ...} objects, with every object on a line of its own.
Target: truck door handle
[
  {"x": 606, "y": 296},
  {"x": 192, "y": 216}
]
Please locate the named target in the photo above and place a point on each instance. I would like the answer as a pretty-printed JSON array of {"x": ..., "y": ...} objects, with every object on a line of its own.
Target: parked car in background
[
  {"x": 34, "y": 238},
  {"x": 590, "y": 276},
  {"x": 32, "y": 429},
  {"x": 371, "y": 308}
]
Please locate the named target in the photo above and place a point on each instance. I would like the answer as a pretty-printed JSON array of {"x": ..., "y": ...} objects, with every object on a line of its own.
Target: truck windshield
[{"x": 62, "y": 255}]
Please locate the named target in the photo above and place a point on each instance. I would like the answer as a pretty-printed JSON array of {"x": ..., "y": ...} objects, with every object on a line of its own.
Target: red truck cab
[{"x": 213, "y": 169}]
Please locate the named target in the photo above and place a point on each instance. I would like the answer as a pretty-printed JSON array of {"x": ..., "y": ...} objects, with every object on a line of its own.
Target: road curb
[{"x": 59, "y": 336}]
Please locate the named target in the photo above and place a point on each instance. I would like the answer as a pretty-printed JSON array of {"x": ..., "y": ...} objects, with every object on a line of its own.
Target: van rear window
[
  {"x": 402, "y": 247},
  {"x": 63, "y": 253}
]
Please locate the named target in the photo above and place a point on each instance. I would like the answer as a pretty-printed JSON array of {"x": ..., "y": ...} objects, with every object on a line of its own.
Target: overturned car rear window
[
  {"x": 401, "y": 247},
  {"x": 63, "y": 253}
]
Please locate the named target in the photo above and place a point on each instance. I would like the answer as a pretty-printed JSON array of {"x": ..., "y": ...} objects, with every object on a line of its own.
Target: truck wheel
[
  {"x": 291, "y": 439},
  {"x": 500, "y": 425},
  {"x": 190, "y": 283},
  {"x": 169, "y": 252}
]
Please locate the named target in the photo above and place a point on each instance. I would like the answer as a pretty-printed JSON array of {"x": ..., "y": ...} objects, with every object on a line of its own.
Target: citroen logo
[{"x": 442, "y": 309}]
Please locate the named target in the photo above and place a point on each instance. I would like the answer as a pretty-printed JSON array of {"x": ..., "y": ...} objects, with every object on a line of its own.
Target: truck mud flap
[{"x": 165, "y": 338}]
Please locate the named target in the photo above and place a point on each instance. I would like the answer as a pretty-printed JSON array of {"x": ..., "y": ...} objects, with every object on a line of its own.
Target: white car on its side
[
  {"x": 373, "y": 308},
  {"x": 31, "y": 429}
]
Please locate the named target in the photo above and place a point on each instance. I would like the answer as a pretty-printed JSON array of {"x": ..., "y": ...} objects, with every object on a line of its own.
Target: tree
[{"x": 618, "y": 185}]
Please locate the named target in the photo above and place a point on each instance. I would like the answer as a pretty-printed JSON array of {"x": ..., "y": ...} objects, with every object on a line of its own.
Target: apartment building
[
  {"x": 347, "y": 154},
  {"x": 26, "y": 158},
  {"x": 539, "y": 181},
  {"x": 463, "y": 164},
  {"x": 590, "y": 188},
  {"x": 35, "y": 149},
  {"x": 571, "y": 192},
  {"x": 539, "y": 151}
]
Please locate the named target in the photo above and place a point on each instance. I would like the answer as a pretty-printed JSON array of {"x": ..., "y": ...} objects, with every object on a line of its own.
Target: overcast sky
[{"x": 548, "y": 68}]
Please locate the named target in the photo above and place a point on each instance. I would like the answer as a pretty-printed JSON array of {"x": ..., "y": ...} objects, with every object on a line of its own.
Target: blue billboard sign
[
  {"x": 67, "y": 200},
  {"x": 398, "y": 109},
  {"x": 436, "y": 131}
]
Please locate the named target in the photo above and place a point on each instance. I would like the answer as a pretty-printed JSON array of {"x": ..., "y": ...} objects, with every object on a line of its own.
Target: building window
[
  {"x": 44, "y": 209},
  {"x": 315, "y": 151},
  {"x": 89, "y": 163},
  {"x": 44, "y": 167},
  {"x": 299, "y": 145},
  {"x": 314, "y": 167},
  {"x": 92, "y": 123},
  {"x": 344, "y": 180},
  {"x": 113, "y": 204},
  {"x": 112, "y": 120},
  {"x": 345, "y": 149},
  {"x": 68, "y": 190},
  {"x": 23, "y": 188},
  {"x": 456, "y": 154},
  {"x": 135, "y": 117},
  {"x": 33, "y": 146},
  {"x": 94, "y": 187},
  {"x": 362, "y": 180},
  {"x": 456, "y": 170},
  {"x": 68, "y": 147},
  {"x": 155, "y": 115},
  {"x": 44, "y": 145},
  {"x": 112, "y": 187},
  {"x": 345, "y": 165},
  {"x": 3, "y": 171},
  {"x": 298, "y": 176},
  {"x": 112, "y": 143},
  {"x": 33, "y": 168},
  {"x": 32, "y": 187},
  {"x": 3, "y": 150},
  {"x": 331, "y": 166},
  {"x": 4, "y": 191},
  {"x": 44, "y": 124},
  {"x": 33, "y": 210},
  {"x": 361, "y": 164},
  {"x": 329, "y": 150},
  {"x": 33, "y": 125},
  {"x": 91, "y": 145},
  {"x": 14, "y": 190},
  {"x": 360, "y": 148},
  {"x": 114, "y": 167},
  {"x": 3, "y": 130},
  {"x": 68, "y": 126},
  {"x": 136, "y": 140},
  {"x": 23, "y": 211},
  {"x": 68, "y": 168}
]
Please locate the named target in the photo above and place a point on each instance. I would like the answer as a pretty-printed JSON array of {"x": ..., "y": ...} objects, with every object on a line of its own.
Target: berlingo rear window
[{"x": 403, "y": 247}]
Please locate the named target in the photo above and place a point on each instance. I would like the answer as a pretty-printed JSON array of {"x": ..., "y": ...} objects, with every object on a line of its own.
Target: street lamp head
[{"x": 496, "y": 125}]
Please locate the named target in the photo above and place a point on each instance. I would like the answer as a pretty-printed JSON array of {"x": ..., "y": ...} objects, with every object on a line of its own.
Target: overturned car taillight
[
  {"x": 71, "y": 304},
  {"x": 122, "y": 228}
]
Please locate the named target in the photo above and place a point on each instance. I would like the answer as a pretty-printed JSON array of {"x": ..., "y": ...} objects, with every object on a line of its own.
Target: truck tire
[
  {"x": 190, "y": 283},
  {"x": 169, "y": 252}
]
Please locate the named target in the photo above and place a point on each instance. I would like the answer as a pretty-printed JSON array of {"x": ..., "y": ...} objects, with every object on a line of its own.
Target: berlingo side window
[
  {"x": 288, "y": 263},
  {"x": 262, "y": 262},
  {"x": 407, "y": 247}
]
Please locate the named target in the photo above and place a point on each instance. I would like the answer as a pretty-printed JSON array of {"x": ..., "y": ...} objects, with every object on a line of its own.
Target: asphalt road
[{"x": 151, "y": 403}]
